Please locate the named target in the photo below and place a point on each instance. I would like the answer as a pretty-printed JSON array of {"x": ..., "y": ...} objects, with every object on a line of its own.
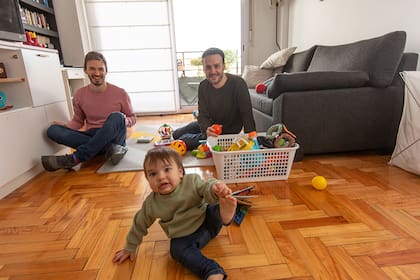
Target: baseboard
[
  {"x": 21, "y": 179},
  {"x": 14, "y": 184}
]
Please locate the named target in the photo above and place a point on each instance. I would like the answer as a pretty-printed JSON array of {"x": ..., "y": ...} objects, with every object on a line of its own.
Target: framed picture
[{"x": 2, "y": 71}]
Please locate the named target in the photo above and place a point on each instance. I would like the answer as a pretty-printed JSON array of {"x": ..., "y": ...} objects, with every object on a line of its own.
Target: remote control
[{"x": 144, "y": 139}]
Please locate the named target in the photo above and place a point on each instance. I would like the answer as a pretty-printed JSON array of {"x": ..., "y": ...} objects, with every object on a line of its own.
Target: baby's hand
[
  {"x": 122, "y": 255},
  {"x": 221, "y": 189}
]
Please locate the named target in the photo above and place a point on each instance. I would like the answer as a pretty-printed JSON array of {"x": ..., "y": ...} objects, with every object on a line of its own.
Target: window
[{"x": 136, "y": 38}]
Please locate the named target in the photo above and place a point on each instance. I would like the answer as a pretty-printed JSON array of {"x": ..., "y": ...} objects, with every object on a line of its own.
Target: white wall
[
  {"x": 74, "y": 40},
  {"x": 260, "y": 30},
  {"x": 332, "y": 22}
]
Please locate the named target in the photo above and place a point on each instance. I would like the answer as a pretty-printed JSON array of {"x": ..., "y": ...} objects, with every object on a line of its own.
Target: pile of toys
[
  {"x": 277, "y": 136},
  {"x": 165, "y": 131}
]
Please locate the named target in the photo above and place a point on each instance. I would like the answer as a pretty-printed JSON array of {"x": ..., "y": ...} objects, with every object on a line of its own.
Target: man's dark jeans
[
  {"x": 190, "y": 134},
  {"x": 93, "y": 141}
]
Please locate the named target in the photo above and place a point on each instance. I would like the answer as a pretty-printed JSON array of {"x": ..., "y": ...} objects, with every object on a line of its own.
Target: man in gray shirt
[{"x": 223, "y": 99}]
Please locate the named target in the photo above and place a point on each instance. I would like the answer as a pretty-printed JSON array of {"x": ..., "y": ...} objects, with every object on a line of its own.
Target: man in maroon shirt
[{"x": 102, "y": 113}]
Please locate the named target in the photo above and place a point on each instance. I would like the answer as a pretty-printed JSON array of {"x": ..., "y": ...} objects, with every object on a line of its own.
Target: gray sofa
[{"x": 339, "y": 98}]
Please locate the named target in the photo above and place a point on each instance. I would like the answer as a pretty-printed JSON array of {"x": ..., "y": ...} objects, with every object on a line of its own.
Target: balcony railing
[{"x": 189, "y": 63}]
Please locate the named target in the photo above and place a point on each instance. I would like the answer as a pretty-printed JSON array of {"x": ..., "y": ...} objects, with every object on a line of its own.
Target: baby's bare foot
[{"x": 227, "y": 209}]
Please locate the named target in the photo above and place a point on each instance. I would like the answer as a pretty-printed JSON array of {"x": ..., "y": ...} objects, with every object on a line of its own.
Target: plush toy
[
  {"x": 260, "y": 88},
  {"x": 278, "y": 136},
  {"x": 284, "y": 140}
]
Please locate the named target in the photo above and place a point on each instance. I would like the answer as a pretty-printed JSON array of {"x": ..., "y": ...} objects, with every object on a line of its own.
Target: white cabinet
[
  {"x": 22, "y": 141},
  {"x": 17, "y": 92},
  {"x": 35, "y": 88},
  {"x": 44, "y": 77}
]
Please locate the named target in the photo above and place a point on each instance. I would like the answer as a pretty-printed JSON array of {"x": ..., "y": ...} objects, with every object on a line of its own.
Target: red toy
[
  {"x": 260, "y": 88},
  {"x": 217, "y": 128}
]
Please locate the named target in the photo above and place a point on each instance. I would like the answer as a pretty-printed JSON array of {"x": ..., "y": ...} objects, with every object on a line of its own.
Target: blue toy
[{"x": 3, "y": 100}]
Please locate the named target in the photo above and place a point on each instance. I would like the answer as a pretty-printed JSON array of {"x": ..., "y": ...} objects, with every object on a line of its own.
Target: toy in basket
[
  {"x": 278, "y": 136},
  {"x": 251, "y": 165},
  {"x": 245, "y": 143}
]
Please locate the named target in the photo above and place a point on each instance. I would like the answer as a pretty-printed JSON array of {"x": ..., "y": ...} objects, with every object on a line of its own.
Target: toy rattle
[
  {"x": 165, "y": 131},
  {"x": 179, "y": 146}
]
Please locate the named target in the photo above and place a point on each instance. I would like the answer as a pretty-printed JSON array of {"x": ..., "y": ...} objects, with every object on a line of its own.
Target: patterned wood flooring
[{"x": 365, "y": 225}]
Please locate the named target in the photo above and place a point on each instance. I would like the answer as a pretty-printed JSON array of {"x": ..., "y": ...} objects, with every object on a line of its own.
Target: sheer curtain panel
[{"x": 137, "y": 40}]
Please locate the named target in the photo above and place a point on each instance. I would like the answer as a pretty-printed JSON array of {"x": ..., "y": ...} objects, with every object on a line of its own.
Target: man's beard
[{"x": 96, "y": 82}]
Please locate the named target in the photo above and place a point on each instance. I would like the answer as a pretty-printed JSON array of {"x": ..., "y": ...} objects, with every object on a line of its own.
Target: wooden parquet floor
[{"x": 365, "y": 225}]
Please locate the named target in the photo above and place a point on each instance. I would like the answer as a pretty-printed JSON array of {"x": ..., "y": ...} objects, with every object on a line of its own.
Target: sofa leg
[{"x": 384, "y": 151}]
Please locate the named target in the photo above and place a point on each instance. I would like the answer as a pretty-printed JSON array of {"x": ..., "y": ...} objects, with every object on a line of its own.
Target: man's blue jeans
[
  {"x": 187, "y": 250},
  {"x": 93, "y": 141},
  {"x": 191, "y": 134}
]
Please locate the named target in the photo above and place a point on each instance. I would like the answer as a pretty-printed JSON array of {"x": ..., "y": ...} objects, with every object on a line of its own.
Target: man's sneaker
[
  {"x": 116, "y": 153},
  {"x": 53, "y": 163}
]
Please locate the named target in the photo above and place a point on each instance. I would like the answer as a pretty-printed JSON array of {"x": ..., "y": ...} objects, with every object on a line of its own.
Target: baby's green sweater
[{"x": 181, "y": 212}]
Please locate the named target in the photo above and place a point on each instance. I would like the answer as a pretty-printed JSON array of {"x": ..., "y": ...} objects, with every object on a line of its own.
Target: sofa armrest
[{"x": 301, "y": 81}]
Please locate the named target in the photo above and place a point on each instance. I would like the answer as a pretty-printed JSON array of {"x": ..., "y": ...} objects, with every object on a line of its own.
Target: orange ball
[{"x": 217, "y": 128}]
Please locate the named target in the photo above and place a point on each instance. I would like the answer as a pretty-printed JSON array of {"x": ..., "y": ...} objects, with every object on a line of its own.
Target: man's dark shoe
[
  {"x": 53, "y": 163},
  {"x": 116, "y": 153}
]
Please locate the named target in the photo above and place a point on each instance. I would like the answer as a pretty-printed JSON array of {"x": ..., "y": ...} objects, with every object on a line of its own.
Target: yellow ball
[{"x": 319, "y": 182}]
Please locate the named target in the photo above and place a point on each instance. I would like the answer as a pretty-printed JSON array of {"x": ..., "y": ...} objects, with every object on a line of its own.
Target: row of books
[{"x": 34, "y": 18}]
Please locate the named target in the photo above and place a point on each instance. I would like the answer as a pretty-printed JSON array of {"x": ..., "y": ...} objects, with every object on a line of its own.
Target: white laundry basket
[{"x": 250, "y": 165}]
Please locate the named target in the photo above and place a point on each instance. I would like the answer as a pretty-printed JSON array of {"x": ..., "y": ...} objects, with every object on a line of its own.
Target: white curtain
[{"x": 137, "y": 40}]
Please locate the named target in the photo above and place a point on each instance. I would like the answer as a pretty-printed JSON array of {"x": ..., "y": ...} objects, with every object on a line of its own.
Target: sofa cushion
[
  {"x": 254, "y": 75},
  {"x": 301, "y": 81},
  {"x": 261, "y": 102},
  {"x": 278, "y": 59},
  {"x": 299, "y": 61},
  {"x": 379, "y": 57}
]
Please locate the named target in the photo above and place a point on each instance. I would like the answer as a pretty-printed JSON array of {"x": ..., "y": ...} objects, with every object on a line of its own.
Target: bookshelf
[{"x": 38, "y": 16}]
